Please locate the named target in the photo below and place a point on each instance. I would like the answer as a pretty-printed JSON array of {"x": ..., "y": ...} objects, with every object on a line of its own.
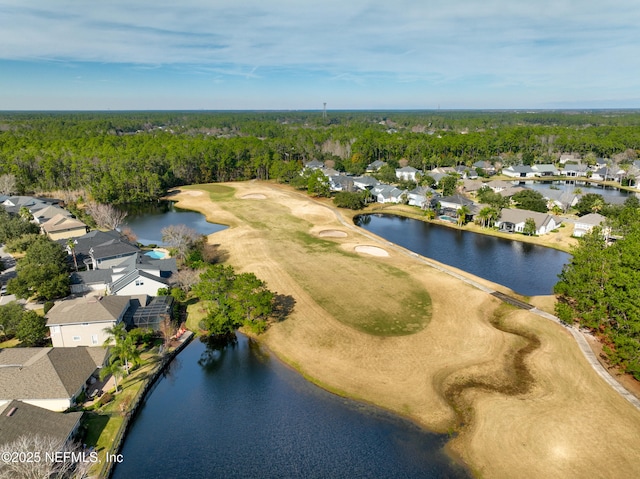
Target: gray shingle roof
[
  {"x": 87, "y": 310},
  {"x": 132, "y": 276},
  {"x": 46, "y": 373},
  {"x": 19, "y": 419}
]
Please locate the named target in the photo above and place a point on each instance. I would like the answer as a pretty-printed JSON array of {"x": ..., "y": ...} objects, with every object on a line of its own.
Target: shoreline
[{"x": 370, "y": 369}]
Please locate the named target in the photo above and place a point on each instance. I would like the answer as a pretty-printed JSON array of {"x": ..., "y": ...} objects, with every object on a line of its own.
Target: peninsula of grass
[{"x": 391, "y": 330}]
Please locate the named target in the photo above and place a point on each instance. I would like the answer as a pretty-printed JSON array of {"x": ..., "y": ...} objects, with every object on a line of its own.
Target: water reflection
[
  {"x": 524, "y": 267},
  {"x": 233, "y": 411}
]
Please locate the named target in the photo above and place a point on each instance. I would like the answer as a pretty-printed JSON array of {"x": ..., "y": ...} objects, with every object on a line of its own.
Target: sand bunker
[
  {"x": 332, "y": 234},
  {"x": 254, "y": 196},
  {"x": 372, "y": 250}
]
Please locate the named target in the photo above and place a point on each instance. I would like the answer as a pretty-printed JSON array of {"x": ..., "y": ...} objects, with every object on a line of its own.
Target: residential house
[
  {"x": 62, "y": 227},
  {"x": 365, "y": 182},
  {"x": 423, "y": 197},
  {"x": 375, "y": 166},
  {"x": 45, "y": 214},
  {"x": 513, "y": 220},
  {"x": 136, "y": 282},
  {"x": 50, "y": 378},
  {"x": 498, "y": 185},
  {"x": 96, "y": 280},
  {"x": 388, "y": 194},
  {"x": 13, "y": 204},
  {"x": 519, "y": 171},
  {"x": 608, "y": 174},
  {"x": 449, "y": 205},
  {"x": 19, "y": 419},
  {"x": 472, "y": 185},
  {"x": 408, "y": 173},
  {"x": 586, "y": 223},
  {"x": 466, "y": 172},
  {"x": 341, "y": 183},
  {"x": 100, "y": 280},
  {"x": 511, "y": 190},
  {"x": 101, "y": 249},
  {"x": 82, "y": 321},
  {"x": 486, "y": 166},
  {"x": 565, "y": 199},
  {"x": 545, "y": 170},
  {"x": 572, "y": 170},
  {"x": 313, "y": 165},
  {"x": 569, "y": 157}
]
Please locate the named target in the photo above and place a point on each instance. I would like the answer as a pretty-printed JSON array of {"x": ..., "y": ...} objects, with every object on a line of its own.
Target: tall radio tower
[{"x": 324, "y": 111}]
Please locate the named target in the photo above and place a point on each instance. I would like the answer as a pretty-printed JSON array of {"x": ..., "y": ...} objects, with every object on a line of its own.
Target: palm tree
[
  {"x": 597, "y": 205},
  {"x": 462, "y": 212},
  {"x": 122, "y": 346},
  {"x": 113, "y": 368},
  {"x": 484, "y": 215}
]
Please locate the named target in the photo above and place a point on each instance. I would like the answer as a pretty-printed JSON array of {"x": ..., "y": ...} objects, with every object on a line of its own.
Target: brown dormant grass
[{"x": 515, "y": 386}]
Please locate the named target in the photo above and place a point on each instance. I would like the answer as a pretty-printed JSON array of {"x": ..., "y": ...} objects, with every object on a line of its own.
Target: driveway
[{"x": 7, "y": 274}]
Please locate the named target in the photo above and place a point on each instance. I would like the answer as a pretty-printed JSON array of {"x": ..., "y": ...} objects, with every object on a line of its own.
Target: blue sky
[{"x": 297, "y": 54}]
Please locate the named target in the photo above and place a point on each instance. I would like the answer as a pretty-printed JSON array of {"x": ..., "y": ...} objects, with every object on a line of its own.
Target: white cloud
[{"x": 500, "y": 42}]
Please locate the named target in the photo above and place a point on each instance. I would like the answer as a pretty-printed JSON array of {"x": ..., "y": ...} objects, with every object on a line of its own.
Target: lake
[
  {"x": 236, "y": 412},
  {"x": 527, "y": 269},
  {"x": 609, "y": 193},
  {"x": 148, "y": 219}
]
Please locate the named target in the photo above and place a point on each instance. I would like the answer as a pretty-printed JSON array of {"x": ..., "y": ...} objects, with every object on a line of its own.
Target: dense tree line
[
  {"x": 129, "y": 157},
  {"x": 600, "y": 288}
]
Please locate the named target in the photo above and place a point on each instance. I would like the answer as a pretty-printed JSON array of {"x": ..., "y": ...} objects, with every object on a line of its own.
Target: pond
[
  {"x": 147, "y": 220},
  {"x": 609, "y": 193},
  {"x": 525, "y": 268},
  {"x": 236, "y": 412}
]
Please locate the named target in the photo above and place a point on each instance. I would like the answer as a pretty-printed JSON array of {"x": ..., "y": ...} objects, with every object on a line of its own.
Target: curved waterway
[
  {"x": 236, "y": 412},
  {"x": 527, "y": 269},
  {"x": 147, "y": 220}
]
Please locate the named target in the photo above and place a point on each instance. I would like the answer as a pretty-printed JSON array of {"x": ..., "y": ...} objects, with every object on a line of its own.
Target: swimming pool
[
  {"x": 447, "y": 218},
  {"x": 155, "y": 254}
]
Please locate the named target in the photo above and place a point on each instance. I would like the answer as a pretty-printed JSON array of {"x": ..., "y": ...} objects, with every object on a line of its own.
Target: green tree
[
  {"x": 234, "y": 300},
  {"x": 253, "y": 302},
  {"x": 32, "y": 329},
  {"x": 351, "y": 200},
  {"x": 530, "y": 200},
  {"x": 10, "y": 318},
  {"x": 114, "y": 367},
  {"x": 448, "y": 185},
  {"x": 587, "y": 202},
  {"x": 462, "y": 213},
  {"x": 122, "y": 346},
  {"x": 529, "y": 227},
  {"x": 318, "y": 184},
  {"x": 42, "y": 272}
]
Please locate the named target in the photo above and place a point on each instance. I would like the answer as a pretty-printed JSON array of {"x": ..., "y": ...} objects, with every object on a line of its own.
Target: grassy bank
[{"x": 361, "y": 327}]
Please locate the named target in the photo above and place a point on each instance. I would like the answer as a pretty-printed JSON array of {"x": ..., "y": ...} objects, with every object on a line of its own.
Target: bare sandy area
[
  {"x": 332, "y": 234},
  {"x": 372, "y": 250},
  {"x": 254, "y": 196},
  {"x": 523, "y": 399}
]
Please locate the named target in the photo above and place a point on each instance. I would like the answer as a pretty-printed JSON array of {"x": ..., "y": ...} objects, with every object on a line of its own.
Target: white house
[
  {"x": 82, "y": 321},
  {"x": 387, "y": 194},
  {"x": 422, "y": 196},
  {"x": 586, "y": 223},
  {"x": 519, "y": 171},
  {"x": 408, "y": 173},
  {"x": 513, "y": 220},
  {"x": 136, "y": 282}
]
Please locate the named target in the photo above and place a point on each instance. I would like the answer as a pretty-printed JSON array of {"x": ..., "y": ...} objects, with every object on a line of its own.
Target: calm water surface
[
  {"x": 608, "y": 193},
  {"x": 525, "y": 268},
  {"x": 147, "y": 220},
  {"x": 238, "y": 413}
]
